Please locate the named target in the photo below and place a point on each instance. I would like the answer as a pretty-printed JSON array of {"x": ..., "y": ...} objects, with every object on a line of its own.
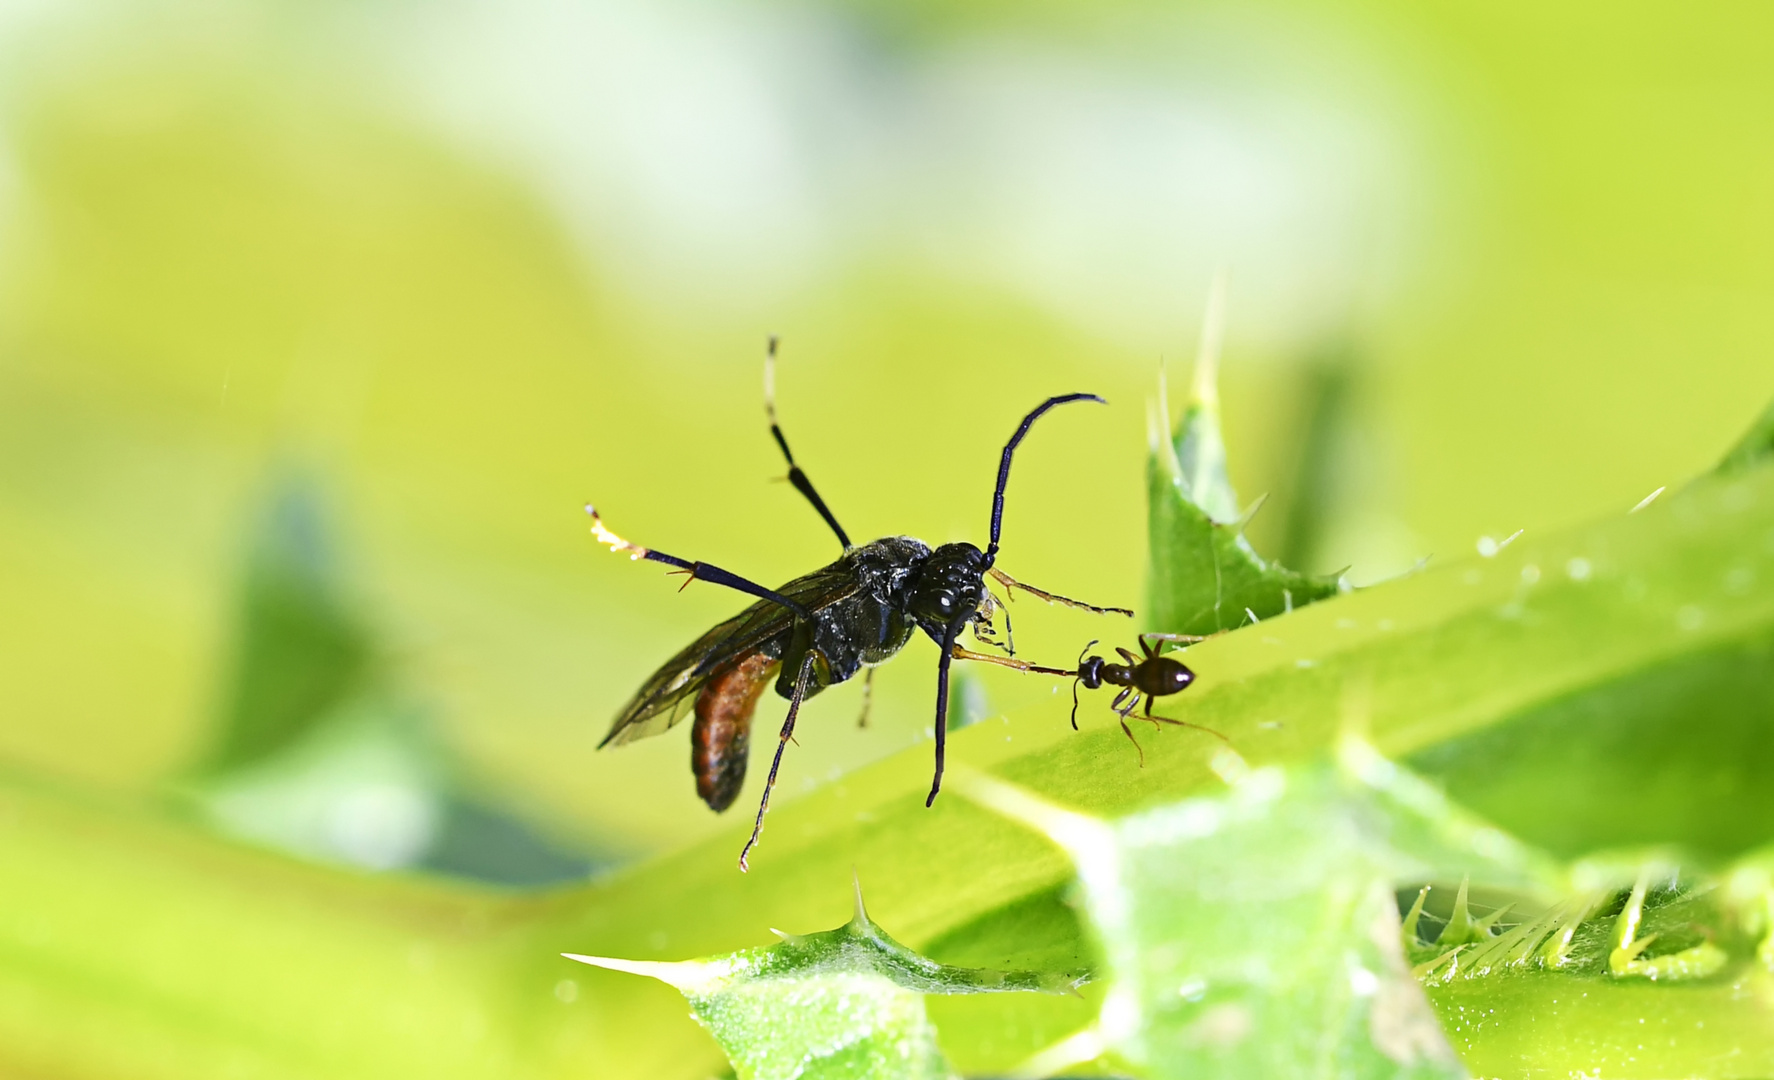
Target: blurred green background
[{"x": 319, "y": 323}]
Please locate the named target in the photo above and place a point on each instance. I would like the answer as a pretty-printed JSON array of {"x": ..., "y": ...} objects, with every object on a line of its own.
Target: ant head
[
  {"x": 1090, "y": 672},
  {"x": 1162, "y": 676},
  {"x": 948, "y": 586}
]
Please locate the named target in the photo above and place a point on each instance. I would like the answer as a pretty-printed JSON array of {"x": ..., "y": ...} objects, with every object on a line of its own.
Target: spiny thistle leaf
[
  {"x": 1255, "y": 933},
  {"x": 845, "y": 1004},
  {"x": 1205, "y": 575},
  {"x": 1584, "y": 987}
]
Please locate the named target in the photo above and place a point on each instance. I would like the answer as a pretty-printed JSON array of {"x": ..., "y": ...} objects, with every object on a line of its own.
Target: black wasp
[
  {"x": 817, "y": 630},
  {"x": 1146, "y": 678}
]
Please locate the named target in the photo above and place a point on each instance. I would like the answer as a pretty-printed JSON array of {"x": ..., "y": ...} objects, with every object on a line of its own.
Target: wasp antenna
[
  {"x": 1022, "y": 429},
  {"x": 770, "y": 380},
  {"x": 795, "y": 475},
  {"x": 605, "y": 536}
]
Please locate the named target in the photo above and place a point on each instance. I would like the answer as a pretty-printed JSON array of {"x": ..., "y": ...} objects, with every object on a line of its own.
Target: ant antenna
[
  {"x": 1078, "y": 678},
  {"x": 1004, "y": 464}
]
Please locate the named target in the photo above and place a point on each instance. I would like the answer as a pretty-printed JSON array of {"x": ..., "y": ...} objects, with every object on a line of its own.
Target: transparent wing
[{"x": 669, "y": 695}]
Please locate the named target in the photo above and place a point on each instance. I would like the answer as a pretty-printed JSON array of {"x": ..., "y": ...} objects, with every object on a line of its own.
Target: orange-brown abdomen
[{"x": 721, "y": 736}]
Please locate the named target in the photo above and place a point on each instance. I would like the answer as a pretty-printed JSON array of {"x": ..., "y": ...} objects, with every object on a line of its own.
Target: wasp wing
[{"x": 669, "y": 695}]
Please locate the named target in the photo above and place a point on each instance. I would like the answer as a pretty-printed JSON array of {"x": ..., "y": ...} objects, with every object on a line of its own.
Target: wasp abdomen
[{"x": 721, "y": 737}]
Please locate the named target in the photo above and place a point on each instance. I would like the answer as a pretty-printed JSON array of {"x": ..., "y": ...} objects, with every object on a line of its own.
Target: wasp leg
[
  {"x": 698, "y": 571},
  {"x": 942, "y": 704},
  {"x": 795, "y": 475},
  {"x": 1010, "y": 583},
  {"x": 1024, "y": 666},
  {"x": 1027, "y": 668},
  {"x": 986, "y": 632},
  {"x": 992, "y": 605},
  {"x": 868, "y": 696},
  {"x": 788, "y": 732},
  {"x": 1147, "y": 640}
]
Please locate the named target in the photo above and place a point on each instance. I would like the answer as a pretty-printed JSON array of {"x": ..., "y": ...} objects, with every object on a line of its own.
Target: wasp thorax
[{"x": 949, "y": 585}]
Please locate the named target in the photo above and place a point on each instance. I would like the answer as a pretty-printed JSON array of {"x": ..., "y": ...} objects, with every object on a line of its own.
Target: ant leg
[
  {"x": 697, "y": 571},
  {"x": 1156, "y": 720},
  {"x": 1127, "y": 731},
  {"x": 1159, "y": 720},
  {"x": 1010, "y": 583},
  {"x": 788, "y": 732},
  {"x": 795, "y": 475},
  {"x": 1203, "y": 728},
  {"x": 868, "y": 696}
]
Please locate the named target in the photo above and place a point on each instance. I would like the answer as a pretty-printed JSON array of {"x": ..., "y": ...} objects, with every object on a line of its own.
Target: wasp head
[{"x": 948, "y": 586}]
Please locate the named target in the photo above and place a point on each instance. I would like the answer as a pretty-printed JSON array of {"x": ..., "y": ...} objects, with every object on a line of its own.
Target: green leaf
[
  {"x": 845, "y": 1004},
  {"x": 1668, "y": 977},
  {"x": 1254, "y": 932},
  {"x": 1610, "y": 655},
  {"x": 1756, "y": 446},
  {"x": 1205, "y": 575},
  {"x": 300, "y": 652}
]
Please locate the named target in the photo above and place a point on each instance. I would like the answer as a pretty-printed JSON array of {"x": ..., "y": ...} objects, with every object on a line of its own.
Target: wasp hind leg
[{"x": 788, "y": 732}]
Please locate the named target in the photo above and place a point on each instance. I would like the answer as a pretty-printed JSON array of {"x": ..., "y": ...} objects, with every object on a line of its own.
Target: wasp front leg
[
  {"x": 986, "y": 633},
  {"x": 1010, "y": 583}
]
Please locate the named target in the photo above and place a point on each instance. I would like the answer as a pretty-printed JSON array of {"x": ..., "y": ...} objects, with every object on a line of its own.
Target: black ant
[{"x": 1142, "y": 678}]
